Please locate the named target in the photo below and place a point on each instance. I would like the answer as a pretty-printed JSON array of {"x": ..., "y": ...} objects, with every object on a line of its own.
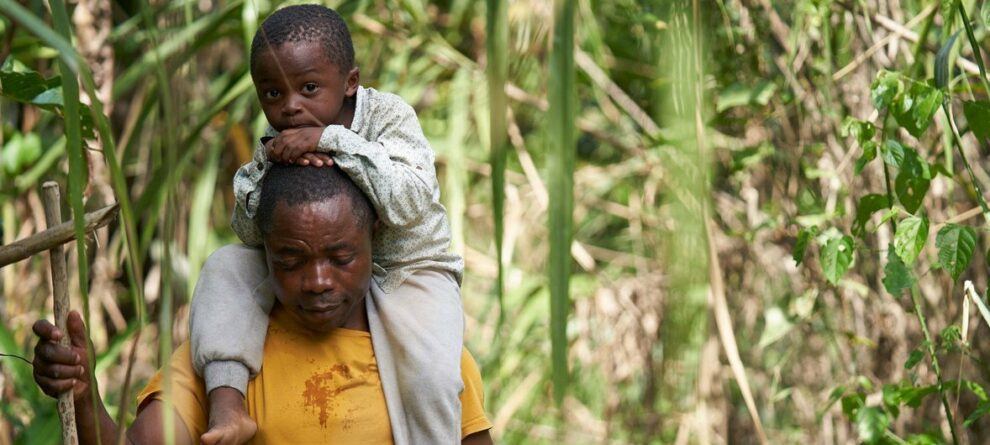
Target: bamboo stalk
[
  {"x": 60, "y": 291},
  {"x": 54, "y": 236}
]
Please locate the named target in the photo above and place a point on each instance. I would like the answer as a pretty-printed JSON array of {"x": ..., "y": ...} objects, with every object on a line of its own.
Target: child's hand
[
  {"x": 292, "y": 143},
  {"x": 316, "y": 159}
]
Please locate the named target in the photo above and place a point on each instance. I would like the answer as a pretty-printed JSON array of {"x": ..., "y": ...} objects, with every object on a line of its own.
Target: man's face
[
  {"x": 298, "y": 86},
  {"x": 320, "y": 260}
]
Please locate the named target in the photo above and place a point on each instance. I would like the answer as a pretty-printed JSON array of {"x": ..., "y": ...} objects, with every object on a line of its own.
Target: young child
[{"x": 302, "y": 64}]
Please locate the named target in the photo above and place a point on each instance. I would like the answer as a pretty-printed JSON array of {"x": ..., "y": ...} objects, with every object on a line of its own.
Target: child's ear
[{"x": 353, "y": 80}]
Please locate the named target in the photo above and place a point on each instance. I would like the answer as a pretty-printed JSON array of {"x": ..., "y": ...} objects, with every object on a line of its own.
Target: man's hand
[
  {"x": 292, "y": 143},
  {"x": 56, "y": 368},
  {"x": 230, "y": 423}
]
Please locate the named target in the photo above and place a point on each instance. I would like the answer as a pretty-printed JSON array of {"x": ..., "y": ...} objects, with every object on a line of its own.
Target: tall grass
[{"x": 582, "y": 134}]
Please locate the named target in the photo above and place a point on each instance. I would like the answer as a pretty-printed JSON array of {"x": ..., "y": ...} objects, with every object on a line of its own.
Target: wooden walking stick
[{"x": 60, "y": 288}]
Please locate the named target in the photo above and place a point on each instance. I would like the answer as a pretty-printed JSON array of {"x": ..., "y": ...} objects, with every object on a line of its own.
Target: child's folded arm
[
  {"x": 247, "y": 191},
  {"x": 395, "y": 171}
]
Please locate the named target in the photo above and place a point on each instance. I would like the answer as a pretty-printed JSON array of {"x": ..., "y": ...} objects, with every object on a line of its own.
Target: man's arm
[
  {"x": 479, "y": 438},
  {"x": 58, "y": 369}
]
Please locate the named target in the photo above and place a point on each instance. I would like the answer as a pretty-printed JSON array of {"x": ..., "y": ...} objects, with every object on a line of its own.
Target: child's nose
[{"x": 292, "y": 105}]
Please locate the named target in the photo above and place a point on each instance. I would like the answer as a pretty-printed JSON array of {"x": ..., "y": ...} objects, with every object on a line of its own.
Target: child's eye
[
  {"x": 310, "y": 87},
  {"x": 272, "y": 94}
]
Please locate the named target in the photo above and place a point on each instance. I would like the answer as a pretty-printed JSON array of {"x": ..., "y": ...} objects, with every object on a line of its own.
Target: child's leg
[
  {"x": 229, "y": 318},
  {"x": 418, "y": 336},
  {"x": 228, "y": 324}
]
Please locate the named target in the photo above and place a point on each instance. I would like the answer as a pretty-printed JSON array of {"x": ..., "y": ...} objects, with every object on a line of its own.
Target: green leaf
[
  {"x": 981, "y": 411},
  {"x": 912, "y": 233},
  {"x": 978, "y": 116},
  {"x": 869, "y": 153},
  {"x": 891, "y": 399},
  {"x": 915, "y": 108},
  {"x": 868, "y": 205},
  {"x": 949, "y": 337},
  {"x": 20, "y": 152},
  {"x": 885, "y": 88},
  {"x": 911, "y": 190},
  {"x": 776, "y": 326},
  {"x": 892, "y": 153},
  {"x": 956, "y": 245},
  {"x": 871, "y": 422},
  {"x": 836, "y": 258},
  {"x": 914, "y": 358},
  {"x": 976, "y": 389},
  {"x": 805, "y": 236},
  {"x": 737, "y": 95},
  {"x": 861, "y": 130},
  {"x": 852, "y": 403},
  {"x": 913, "y": 395},
  {"x": 29, "y": 87},
  {"x": 896, "y": 276},
  {"x": 562, "y": 99},
  {"x": 942, "y": 62}
]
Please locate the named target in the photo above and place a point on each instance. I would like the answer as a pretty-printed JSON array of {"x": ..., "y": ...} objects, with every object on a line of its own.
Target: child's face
[{"x": 299, "y": 87}]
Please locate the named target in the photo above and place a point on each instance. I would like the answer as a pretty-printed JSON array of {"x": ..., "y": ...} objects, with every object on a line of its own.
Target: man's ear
[{"x": 353, "y": 80}]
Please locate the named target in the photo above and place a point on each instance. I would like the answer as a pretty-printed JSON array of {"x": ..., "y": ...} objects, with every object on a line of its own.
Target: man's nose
[{"x": 320, "y": 279}]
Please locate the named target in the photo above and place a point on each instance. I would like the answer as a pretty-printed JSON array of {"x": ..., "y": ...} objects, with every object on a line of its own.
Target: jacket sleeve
[
  {"x": 247, "y": 194},
  {"x": 396, "y": 170}
]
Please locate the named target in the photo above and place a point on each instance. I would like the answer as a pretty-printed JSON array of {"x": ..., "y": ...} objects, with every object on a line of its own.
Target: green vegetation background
[{"x": 669, "y": 133}]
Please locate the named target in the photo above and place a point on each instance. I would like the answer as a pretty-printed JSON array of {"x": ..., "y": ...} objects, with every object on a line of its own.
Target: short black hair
[
  {"x": 307, "y": 23},
  {"x": 297, "y": 184}
]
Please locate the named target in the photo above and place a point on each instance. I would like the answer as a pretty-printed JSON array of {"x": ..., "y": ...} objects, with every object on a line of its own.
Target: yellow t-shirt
[{"x": 311, "y": 391}]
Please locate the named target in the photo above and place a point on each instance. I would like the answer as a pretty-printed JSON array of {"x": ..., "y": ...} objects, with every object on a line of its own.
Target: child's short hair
[{"x": 307, "y": 23}]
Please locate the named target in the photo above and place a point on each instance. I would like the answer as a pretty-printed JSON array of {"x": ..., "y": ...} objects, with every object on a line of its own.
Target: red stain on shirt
[{"x": 321, "y": 391}]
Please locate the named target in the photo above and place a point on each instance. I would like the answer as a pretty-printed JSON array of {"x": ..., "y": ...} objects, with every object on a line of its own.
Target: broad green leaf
[
  {"x": 868, "y": 205},
  {"x": 25, "y": 86},
  {"x": 912, "y": 233},
  {"x": 956, "y": 245},
  {"x": 913, "y": 180},
  {"x": 852, "y": 403},
  {"x": 915, "y": 108},
  {"x": 836, "y": 258},
  {"x": 978, "y": 116},
  {"x": 29, "y": 87},
  {"x": 885, "y": 88},
  {"x": 896, "y": 276},
  {"x": 913, "y": 395},
  {"x": 910, "y": 190},
  {"x": 20, "y": 152},
  {"x": 861, "y": 130},
  {"x": 869, "y": 153},
  {"x": 914, "y": 358},
  {"x": 805, "y": 236},
  {"x": 892, "y": 399},
  {"x": 871, "y": 422},
  {"x": 892, "y": 153}
]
